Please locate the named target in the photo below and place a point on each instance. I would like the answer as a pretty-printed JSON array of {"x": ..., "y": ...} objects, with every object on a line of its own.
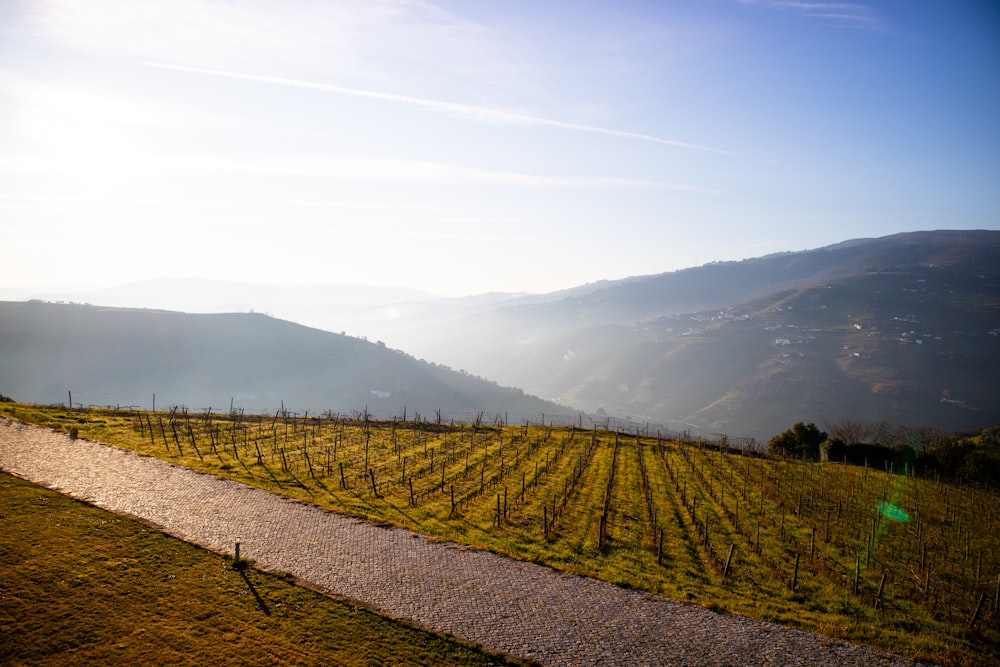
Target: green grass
[
  {"x": 706, "y": 503},
  {"x": 79, "y": 585}
]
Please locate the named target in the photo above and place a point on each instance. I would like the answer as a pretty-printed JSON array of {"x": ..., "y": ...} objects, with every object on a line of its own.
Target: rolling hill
[
  {"x": 902, "y": 328},
  {"x": 115, "y": 356}
]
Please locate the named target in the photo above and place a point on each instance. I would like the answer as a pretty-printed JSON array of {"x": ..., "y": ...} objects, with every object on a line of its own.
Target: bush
[
  {"x": 802, "y": 440},
  {"x": 902, "y": 457},
  {"x": 974, "y": 457}
]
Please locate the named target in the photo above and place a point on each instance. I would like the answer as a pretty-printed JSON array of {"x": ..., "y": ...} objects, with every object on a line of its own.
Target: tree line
[{"x": 973, "y": 456}]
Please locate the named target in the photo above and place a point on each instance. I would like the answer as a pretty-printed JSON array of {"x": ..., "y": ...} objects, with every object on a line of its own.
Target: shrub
[
  {"x": 902, "y": 457},
  {"x": 802, "y": 440}
]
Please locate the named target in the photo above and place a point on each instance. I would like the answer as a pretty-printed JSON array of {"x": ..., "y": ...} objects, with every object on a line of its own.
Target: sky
[{"x": 467, "y": 146}]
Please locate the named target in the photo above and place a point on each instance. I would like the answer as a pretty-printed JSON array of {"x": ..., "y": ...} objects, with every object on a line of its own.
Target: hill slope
[
  {"x": 109, "y": 356},
  {"x": 903, "y": 328}
]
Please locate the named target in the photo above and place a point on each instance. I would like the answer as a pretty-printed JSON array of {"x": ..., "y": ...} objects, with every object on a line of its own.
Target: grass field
[
  {"x": 874, "y": 556},
  {"x": 80, "y": 586}
]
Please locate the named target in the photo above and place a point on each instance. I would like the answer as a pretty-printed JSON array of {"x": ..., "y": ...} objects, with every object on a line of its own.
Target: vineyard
[{"x": 881, "y": 557}]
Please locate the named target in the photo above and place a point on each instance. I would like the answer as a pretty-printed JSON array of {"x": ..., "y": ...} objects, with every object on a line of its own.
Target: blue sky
[{"x": 464, "y": 147}]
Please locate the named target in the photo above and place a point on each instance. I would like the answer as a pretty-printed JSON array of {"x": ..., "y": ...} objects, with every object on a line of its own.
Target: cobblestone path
[{"x": 518, "y": 609}]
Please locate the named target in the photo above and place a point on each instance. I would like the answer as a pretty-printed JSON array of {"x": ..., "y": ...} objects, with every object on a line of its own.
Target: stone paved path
[{"x": 515, "y": 608}]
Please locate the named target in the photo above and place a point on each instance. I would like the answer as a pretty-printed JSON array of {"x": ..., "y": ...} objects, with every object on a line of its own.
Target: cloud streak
[
  {"x": 411, "y": 171},
  {"x": 844, "y": 12},
  {"x": 474, "y": 113},
  {"x": 343, "y": 168}
]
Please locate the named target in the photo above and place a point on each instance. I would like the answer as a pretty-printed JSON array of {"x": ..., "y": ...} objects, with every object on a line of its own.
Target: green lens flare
[{"x": 894, "y": 512}]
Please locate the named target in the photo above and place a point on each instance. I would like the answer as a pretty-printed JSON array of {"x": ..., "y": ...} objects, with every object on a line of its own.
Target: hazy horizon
[
  {"x": 470, "y": 147},
  {"x": 394, "y": 293}
]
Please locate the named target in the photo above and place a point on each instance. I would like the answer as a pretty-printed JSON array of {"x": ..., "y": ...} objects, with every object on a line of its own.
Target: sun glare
[{"x": 81, "y": 139}]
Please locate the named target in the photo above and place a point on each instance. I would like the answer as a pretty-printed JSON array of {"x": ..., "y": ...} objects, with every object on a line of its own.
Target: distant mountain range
[{"x": 904, "y": 328}]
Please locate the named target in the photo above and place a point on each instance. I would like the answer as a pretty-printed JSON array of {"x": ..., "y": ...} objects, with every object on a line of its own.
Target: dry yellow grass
[
  {"x": 508, "y": 481},
  {"x": 82, "y": 586}
]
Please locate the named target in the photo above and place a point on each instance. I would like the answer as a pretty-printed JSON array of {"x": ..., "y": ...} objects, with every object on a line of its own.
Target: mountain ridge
[
  {"x": 898, "y": 328},
  {"x": 623, "y": 348},
  {"x": 111, "y": 356}
]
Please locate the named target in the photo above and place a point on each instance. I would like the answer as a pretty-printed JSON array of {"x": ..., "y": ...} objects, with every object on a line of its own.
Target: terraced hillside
[
  {"x": 876, "y": 556},
  {"x": 904, "y": 328},
  {"x": 919, "y": 347}
]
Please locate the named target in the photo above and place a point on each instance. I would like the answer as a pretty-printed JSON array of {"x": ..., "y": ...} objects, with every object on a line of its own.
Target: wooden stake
[{"x": 975, "y": 614}]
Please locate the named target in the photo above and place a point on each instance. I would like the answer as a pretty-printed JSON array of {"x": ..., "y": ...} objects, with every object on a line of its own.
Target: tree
[{"x": 801, "y": 440}]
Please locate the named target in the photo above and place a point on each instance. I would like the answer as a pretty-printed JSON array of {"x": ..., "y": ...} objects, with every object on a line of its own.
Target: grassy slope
[
  {"x": 936, "y": 565},
  {"x": 83, "y": 586}
]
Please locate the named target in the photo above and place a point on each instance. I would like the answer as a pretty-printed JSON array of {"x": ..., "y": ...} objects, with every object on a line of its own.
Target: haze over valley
[
  {"x": 687, "y": 302},
  {"x": 901, "y": 329},
  {"x": 711, "y": 216}
]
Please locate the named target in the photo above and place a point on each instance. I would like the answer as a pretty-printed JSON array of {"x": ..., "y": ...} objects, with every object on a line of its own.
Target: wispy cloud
[
  {"x": 233, "y": 31},
  {"x": 412, "y": 171},
  {"x": 850, "y": 13},
  {"x": 475, "y": 113},
  {"x": 342, "y": 168},
  {"x": 370, "y": 46},
  {"x": 92, "y": 107}
]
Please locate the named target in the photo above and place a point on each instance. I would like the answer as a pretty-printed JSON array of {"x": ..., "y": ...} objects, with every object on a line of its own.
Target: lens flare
[
  {"x": 889, "y": 511},
  {"x": 893, "y": 511}
]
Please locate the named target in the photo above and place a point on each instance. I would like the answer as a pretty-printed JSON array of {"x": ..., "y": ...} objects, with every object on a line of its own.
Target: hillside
[
  {"x": 912, "y": 354},
  {"x": 901, "y": 329},
  {"x": 904, "y": 329},
  {"x": 778, "y": 539},
  {"x": 111, "y": 356}
]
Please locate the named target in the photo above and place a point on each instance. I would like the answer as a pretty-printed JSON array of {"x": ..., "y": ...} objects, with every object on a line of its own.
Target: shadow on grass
[
  {"x": 298, "y": 483},
  {"x": 271, "y": 474},
  {"x": 253, "y": 590},
  {"x": 249, "y": 472}
]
